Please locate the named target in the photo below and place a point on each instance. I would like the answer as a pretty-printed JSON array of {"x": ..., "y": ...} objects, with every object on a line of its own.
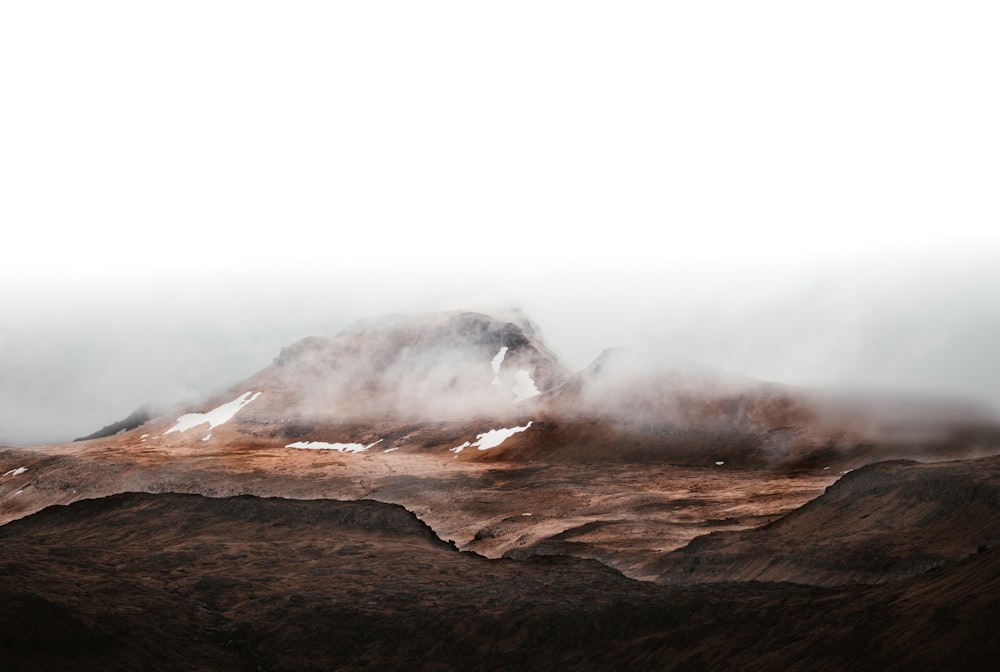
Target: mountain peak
[{"x": 432, "y": 365}]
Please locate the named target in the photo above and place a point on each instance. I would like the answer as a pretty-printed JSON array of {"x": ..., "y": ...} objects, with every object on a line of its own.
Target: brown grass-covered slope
[
  {"x": 167, "y": 582},
  {"x": 623, "y": 514},
  {"x": 878, "y": 523}
]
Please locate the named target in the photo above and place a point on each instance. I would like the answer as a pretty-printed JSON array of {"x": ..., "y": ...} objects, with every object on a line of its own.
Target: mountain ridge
[{"x": 460, "y": 365}]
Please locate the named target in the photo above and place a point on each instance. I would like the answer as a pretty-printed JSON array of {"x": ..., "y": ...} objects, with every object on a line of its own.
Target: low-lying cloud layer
[{"x": 70, "y": 364}]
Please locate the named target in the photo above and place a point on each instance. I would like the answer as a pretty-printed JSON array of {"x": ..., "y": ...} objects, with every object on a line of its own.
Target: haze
[{"x": 797, "y": 194}]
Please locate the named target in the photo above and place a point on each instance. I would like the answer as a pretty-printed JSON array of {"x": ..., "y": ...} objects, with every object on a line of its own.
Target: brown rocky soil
[
  {"x": 160, "y": 582},
  {"x": 625, "y": 514},
  {"x": 878, "y": 523}
]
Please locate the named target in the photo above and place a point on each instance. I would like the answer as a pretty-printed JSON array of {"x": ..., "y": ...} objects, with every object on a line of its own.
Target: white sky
[{"x": 709, "y": 162}]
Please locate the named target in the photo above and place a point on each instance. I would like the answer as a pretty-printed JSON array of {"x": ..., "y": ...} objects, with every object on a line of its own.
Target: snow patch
[
  {"x": 322, "y": 445},
  {"x": 144, "y": 436},
  {"x": 389, "y": 450},
  {"x": 490, "y": 439},
  {"x": 525, "y": 514},
  {"x": 16, "y": 472},
  {"x": 339, "y": 447},
  {"x": 719, "y": 464},
  {"x": 215, "y": 417},
  {"x": 207, "y": 436},
  {"x": 17, "y": 493},
  {"x": 495, "y": 437},
  {"x": 498, "y": 360},
  {"x": 524, "y": 386},
  {"x": 495, "y": 363}
]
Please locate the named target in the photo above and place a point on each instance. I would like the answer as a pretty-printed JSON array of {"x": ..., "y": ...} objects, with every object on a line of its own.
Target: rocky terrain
[
  {"x": 138, "y": 581},
  {"x": 878, "y": 523},
  {"x": 440, "y": 492}
]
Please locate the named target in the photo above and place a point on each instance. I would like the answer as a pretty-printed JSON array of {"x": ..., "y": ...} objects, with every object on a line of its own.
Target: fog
[
  {"x": 798, "y": 195},
  {"x": 73, "y": 359}
]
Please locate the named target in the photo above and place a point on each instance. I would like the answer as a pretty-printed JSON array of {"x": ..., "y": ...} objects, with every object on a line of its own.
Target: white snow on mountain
[
  {"x": 498, "y": 360},
  {"x": 216, "y": 416},
  {"x": 491, "y": 438},
  {"x": 459, "y": 449},
  {"x": 495, "y": 437},
  {"x": 339, "y": 447},
  {"x": 495, "y": 363}
]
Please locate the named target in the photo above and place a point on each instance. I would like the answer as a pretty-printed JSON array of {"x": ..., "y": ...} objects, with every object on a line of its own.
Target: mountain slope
[
  {"x": 434, "y": 382},
  {"x": 163, "y": 582},
  {"x": 438, "y": 367},
  {"x": 135, "y": 419},
  {"x": 879, "y": 523}
]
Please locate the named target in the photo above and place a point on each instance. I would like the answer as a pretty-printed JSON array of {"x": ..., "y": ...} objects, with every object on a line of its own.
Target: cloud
[{"x": 73, "y": 360}]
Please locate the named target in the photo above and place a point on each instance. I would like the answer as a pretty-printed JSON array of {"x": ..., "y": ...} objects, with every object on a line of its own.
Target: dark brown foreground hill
[
  {"x": 882, "y": 522},
  {"x": 173, "y": 582}
]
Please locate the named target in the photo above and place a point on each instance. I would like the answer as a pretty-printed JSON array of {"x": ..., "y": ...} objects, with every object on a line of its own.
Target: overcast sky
[{"x": 800, "y": 193}]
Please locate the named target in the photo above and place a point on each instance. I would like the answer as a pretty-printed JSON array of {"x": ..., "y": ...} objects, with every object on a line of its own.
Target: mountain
[
  {"x": 425, "y": 381},
  {"x": 440, "y": 366},
  {"x": 765, "y": 524},
  {"x": 635, "y": 388},
  {"x": 681, "y": 410},
  {"x": 631, "y": 458}
]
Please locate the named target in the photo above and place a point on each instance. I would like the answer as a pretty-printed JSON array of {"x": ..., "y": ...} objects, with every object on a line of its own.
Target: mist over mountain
[
  {"x": 72, "y": 361},
  {"x": 434, "y": 366},
  {"x": 497, "y": 472}
]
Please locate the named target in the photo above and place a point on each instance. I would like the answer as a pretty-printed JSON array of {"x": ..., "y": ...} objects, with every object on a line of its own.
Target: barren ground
[
  {"x": 167, "y": 582},
  {"x": 626, "y": 515}
]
